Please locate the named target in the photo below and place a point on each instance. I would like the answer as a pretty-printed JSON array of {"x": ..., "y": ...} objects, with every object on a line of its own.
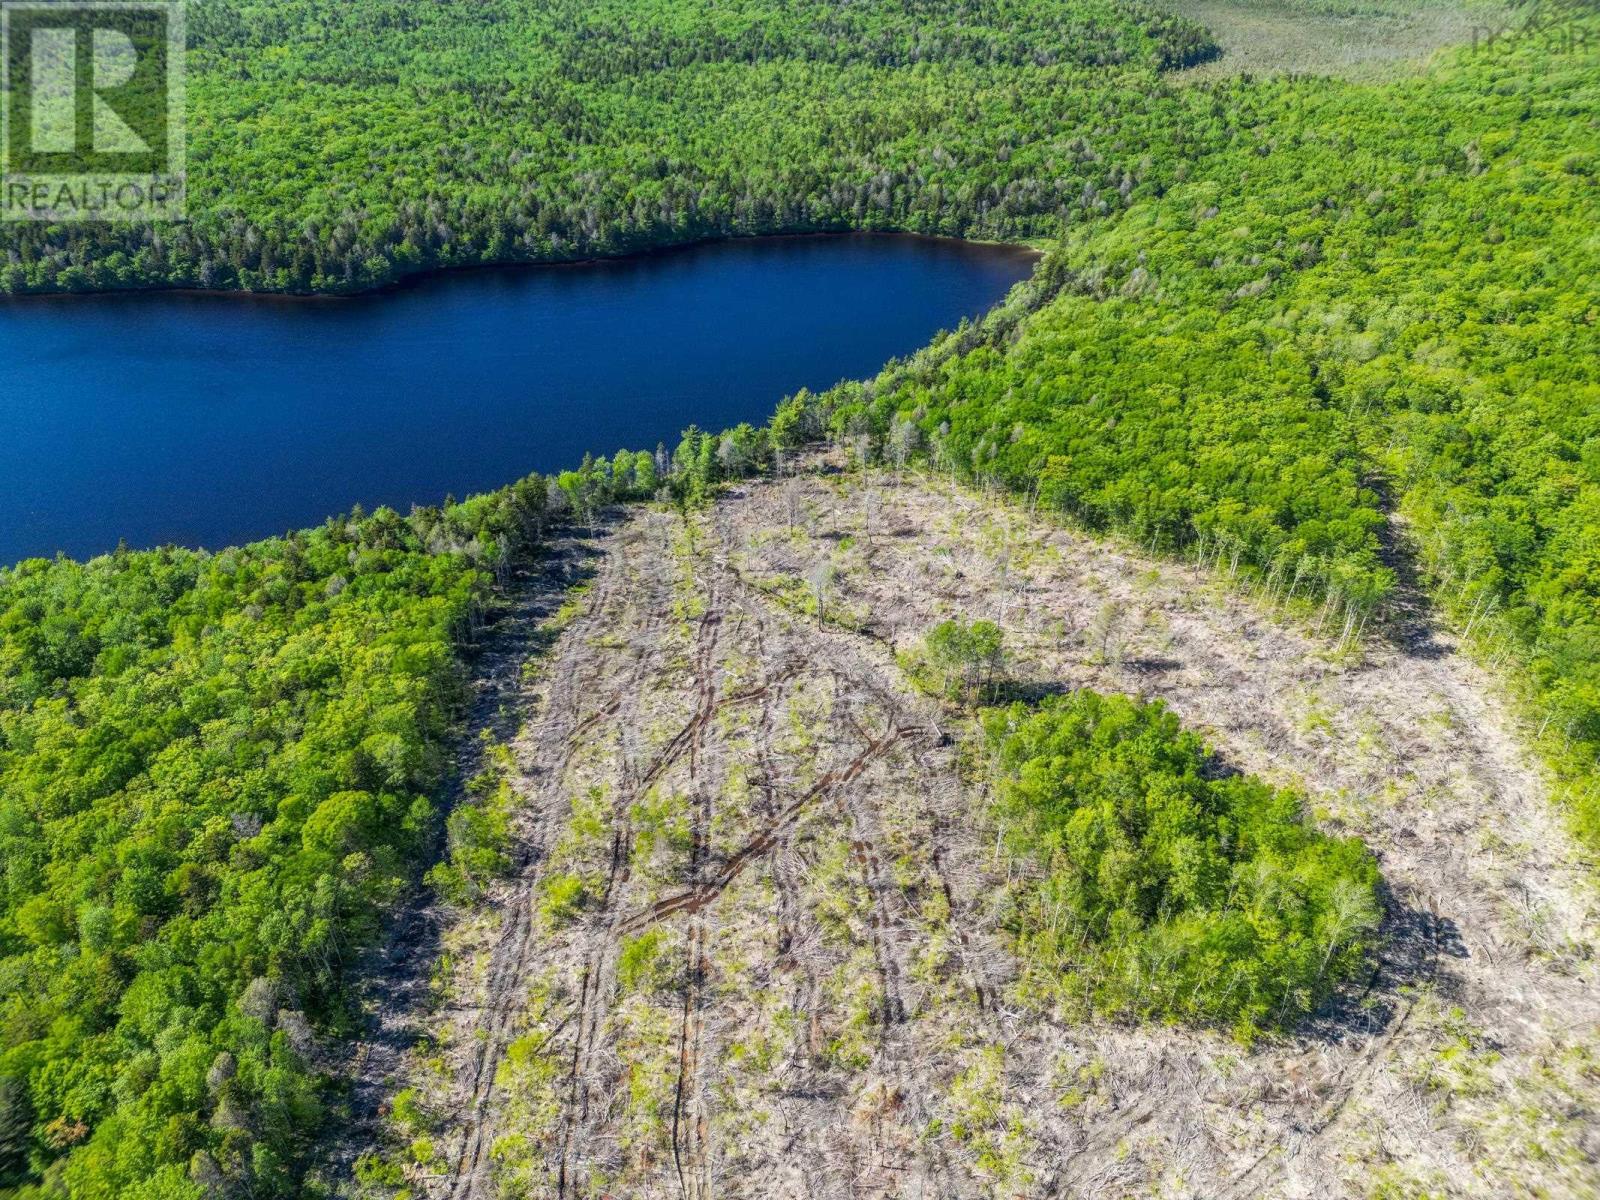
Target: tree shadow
[
  {"x": 1037, "y": 691},
  {"x": 1413, "y": 943},
  {"x": 1026, "y": 691},
  {"x": 516, "y": 626},
  {"x": 1151, "y": 665},
  {"x": 1407, "y": 621}
]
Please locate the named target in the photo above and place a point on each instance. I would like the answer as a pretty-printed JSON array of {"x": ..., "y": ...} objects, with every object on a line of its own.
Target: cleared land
[
  {"x": 778, "y": 972},
  {"x": 1355, "y": 39}
]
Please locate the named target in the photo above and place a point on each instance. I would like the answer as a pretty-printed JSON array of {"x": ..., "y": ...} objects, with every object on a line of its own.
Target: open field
[
  {"x": 1355, "y": 39},
  {"x": 751, "y": 948}
]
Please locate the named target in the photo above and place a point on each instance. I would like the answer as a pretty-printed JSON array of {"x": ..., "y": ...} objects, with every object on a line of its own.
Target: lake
[{"x": 211, "y": 420}]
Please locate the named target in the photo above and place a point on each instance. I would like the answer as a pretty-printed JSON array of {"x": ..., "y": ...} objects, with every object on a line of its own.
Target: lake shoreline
[
  {"x": 178, "y": 418},
  {"x": 423, "y": 276}
]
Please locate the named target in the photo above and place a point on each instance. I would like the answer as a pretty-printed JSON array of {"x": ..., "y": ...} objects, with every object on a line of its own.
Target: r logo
[
  {"x": 93, "y": 101},
  {"x": 88, "y": 88}
]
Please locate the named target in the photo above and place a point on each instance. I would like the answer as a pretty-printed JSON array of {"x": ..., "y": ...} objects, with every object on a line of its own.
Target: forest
[
  {"x": 1366, "y": 329},
  {"x": 1310, "y": 334},
  {"x": 335, "y": 147},
  {"x": 216, "y": 774}
]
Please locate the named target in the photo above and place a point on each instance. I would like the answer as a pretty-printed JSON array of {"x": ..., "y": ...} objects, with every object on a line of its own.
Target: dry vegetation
[
  {"x": 750, "y": 948},
  {"x": 1355, "y": 39}
]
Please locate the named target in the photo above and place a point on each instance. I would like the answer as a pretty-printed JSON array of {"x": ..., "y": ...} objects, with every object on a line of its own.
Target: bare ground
[
  {"x": 784, "y": 979},
  {"x": 395, "y": 995}
]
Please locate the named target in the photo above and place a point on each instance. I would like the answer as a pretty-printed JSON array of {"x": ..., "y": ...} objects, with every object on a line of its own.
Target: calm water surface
[{"x": 211, "y": 420}]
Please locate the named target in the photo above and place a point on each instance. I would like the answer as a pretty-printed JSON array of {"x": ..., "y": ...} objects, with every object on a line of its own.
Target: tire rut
[
  {"x": 695, "y": 898},
  {"x": 510, "y": 960}
]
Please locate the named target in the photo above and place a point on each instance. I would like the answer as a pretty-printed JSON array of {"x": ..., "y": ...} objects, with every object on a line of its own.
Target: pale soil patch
[{"x": 832, "y": 1011}]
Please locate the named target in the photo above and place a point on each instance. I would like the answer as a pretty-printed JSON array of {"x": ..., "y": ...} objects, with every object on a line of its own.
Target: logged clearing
[
  {"x": 752, "y": 949},
  {"x": 1355, "y": 39}
]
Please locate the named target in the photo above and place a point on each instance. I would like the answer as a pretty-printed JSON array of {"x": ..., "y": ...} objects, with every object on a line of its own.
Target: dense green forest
[
  {"x": 1296, "y": 328},
  {"x": 217, "y": 771},
  {"x": 335, "y": 145},
  {"x": 1168, "y": 889},
  {"x": 1368, "y": 327}
]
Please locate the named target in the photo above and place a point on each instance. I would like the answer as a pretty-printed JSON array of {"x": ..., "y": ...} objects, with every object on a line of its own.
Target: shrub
[
  {"x": 642, "y": 966},
  {"x": 963, "y": 658},
  {"x": 564, "y": 897}
]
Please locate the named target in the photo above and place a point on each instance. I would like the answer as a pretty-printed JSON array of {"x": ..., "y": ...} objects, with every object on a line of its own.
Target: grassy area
[{"x": 1352, "y": 39}]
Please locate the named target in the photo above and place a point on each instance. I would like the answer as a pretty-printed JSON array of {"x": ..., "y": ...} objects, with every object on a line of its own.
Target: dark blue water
[{"x": 211, "y": 420}]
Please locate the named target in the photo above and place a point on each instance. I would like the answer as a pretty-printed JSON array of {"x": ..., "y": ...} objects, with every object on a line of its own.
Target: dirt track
[{"x": 829, "y": 1010}]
